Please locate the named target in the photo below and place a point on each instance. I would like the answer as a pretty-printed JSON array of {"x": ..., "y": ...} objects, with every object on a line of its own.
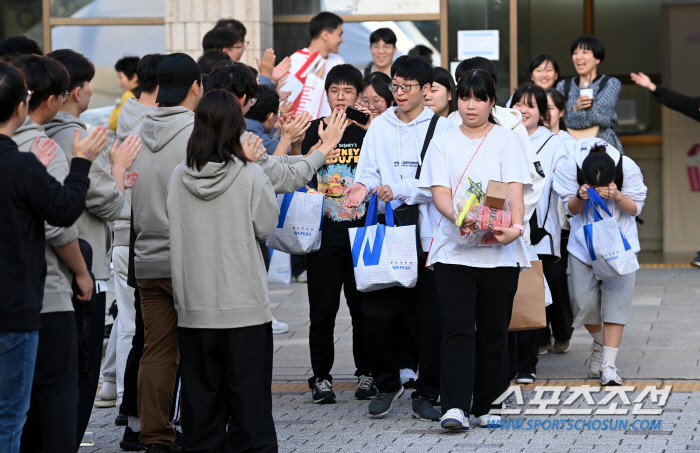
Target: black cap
[{"x": 176, "y": 73}]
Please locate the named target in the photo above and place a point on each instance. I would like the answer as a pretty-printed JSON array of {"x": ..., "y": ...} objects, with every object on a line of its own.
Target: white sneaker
[
  {"x": 489, "y": 421},
  {"x": 279, "y": 326},
  {"x": 596, "y": 358},
  {"x": 608, "y": 375},
  {"x": 454, "y": 420},
  {"x": 301, "y": 278},
  {"x": 107, "y": 397},
  {"x": 408, "y": 377}
]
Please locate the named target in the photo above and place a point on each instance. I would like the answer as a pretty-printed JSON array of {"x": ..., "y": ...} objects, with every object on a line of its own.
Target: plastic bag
[{"x": 485, "y": 218}]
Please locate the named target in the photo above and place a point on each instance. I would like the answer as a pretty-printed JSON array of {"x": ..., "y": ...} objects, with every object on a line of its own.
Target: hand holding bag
[
  {"x": 611, "y": 253},
  {"x": 300, "y": 223},
  {"x": 383, "y": 256}
]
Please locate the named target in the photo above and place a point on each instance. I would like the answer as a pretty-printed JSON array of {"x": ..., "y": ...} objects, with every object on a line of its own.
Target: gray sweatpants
[{"x": 594, "y": 301}]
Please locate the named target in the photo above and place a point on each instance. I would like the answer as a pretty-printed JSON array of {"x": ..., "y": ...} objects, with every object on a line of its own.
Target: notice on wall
[{"x": 477, "y": 43}]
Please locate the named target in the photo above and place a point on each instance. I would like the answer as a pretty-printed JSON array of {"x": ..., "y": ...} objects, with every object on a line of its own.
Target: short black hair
[
  {"x": 380, "y": 82},
  {"x": 560, "y": 104},
  {"x": 13, "y": 91},
  {"x": 598, "y": 168},
  {"x": 210, "y": 58},
  {"x": 413, "y": 68},
  {"x": 146, "y": 69},
  {"x": 324, "y": 21},
  {"x": 127, "y": 65},
  {"x": 443, "y": 77},
  {"x": 477, "y": 63},
  {"x": 234, "y": 77},
  {"x": 589, "y": 42},
  {"x": 45, "y": 76},
  {"x": 541, "y": 58},
  {"x": 234, "y": 25},
  {"x": 220, "y": 38},
  {"x": 253, "y": 70},
  {"x": 80, "y": 69},
  {"x": 479, "y": 84},
  {"x": 268, "y": 101},
  {"x": 421, "y": 51},
  {"x": 15, "y": 46},
  {"x": 383, "y": 34},
  {"x": 345, "y": 74},
  {"x": 534, "y": 96}
]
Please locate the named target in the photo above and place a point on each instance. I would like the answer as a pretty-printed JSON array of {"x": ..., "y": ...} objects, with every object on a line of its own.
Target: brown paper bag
[{"x": 528, "y": 305}]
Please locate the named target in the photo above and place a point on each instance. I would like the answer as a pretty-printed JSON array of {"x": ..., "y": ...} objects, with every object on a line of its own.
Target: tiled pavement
[{"x": 661, "y": 346}]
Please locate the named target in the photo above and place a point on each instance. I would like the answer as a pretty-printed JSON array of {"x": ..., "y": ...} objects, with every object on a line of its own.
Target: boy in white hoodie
[{"x": 389, "y": 163}]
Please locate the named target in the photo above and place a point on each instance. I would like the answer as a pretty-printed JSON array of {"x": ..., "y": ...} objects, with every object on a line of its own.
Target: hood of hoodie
[
  {"x": 61, "y": 121},
  {"x": 161, "y": 125},
  {"x": 405, "y": 129},
  {"x": 583, "y": 147},
  {"x": 131, "y": 115},
  {"x": 507, "y": 117},
  {"x": 27, "y": 132},
  {"x": 212, "y": 180}
]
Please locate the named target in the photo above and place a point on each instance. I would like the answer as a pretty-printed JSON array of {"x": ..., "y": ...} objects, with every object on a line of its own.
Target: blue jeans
[{"x": 17, "y": 360}]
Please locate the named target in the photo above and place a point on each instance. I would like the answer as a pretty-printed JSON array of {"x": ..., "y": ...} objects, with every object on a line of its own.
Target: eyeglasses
[
  {"x": 29, "y": 96},
  {"x": 385, "y": 48},
  {"x": 240, "y": 48},
  {"x": 334, "y": 94},
  {"x": 405, "y": 88},
  {"x": 65, "y": 95},
  {"x": 253, "y": 101},
  {"x": 376, "y": 104}
]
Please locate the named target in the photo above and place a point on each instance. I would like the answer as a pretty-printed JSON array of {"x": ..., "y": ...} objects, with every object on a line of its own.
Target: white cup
[{"x": 586, "y": 92}]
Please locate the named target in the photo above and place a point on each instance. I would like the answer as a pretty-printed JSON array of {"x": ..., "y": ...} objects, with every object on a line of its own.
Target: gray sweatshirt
[
  {"x": 104, "y": 199},
  {"x": 129, "y": 118},
  {"x": 217, "y": 216},
  {"x": 57, "y": 288},
  {"x": 164, "y": 132}
]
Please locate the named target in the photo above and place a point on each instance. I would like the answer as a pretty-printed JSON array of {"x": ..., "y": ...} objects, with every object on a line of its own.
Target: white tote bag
[
  {"x": 298, "y": 229},
  {"x": 383, "y": 256},
  {"x": 611, "y": 253},
  {"x": 280, "y": 268}
]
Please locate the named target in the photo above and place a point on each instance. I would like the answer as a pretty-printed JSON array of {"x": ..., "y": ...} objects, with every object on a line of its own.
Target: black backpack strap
[
  {"x": 567, "y": 88},
  {"x": 545, "y": 142},
  {"x": 603, "y": 81},
  {"x": 426, "y": 142}
]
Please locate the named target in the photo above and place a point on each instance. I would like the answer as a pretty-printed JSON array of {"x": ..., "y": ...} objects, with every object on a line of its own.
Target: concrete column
[{"x": 186, "y": 22}]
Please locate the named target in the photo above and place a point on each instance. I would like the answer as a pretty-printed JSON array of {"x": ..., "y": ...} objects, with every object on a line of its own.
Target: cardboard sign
[{"x": 496, "y": 194}]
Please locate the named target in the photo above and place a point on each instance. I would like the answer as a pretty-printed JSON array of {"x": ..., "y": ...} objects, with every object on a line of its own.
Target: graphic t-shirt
[{"x": 333, "y": 179}]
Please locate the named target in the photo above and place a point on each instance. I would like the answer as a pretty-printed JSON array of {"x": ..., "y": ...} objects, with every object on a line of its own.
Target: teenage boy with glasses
[
  {"x": 388, "y": 164},
  {"x": 382, "y": 45}
]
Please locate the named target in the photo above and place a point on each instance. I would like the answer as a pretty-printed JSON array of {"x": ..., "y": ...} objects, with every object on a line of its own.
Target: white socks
[
  {"x": 598, "y": 336},
  {"x": 609, "y": 355},
  {"x": 134, "y": 424}
]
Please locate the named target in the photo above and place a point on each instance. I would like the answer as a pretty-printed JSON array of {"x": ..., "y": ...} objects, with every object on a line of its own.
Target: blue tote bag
[
  {"x": 608, "y": 247},
  {"x": 383, "y": 256},
  {"x": 300, "y": 223}
]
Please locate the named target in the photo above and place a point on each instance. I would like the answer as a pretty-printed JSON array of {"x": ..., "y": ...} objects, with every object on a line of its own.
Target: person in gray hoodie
[
  {"x": 220, "y": 284},
  {"x": 52, "y": 415},
  {"x": 389, "y": 165},
  {"x": 165, "y": 131},
  {"x": 108, "y": 179}
]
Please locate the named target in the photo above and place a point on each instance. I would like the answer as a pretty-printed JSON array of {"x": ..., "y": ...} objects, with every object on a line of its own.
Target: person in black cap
[{"x": 164, "y": 131}]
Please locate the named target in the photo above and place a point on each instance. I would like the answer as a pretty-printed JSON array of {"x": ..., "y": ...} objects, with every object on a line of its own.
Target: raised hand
[
  {"x": 124, "y": 155},
  {"x": 44, "y": 150},
  {"x": 130, "y": 179},
  {"x": 266, "y": 65},
  {"x": 364, "y": 110},
  {"x": 281, "y": 70},
  {"x": 334, "y": 129},
  {"x": 643, "y": 80},
  {"x": 91, "y": 146},
  {"x": 294, "y": 129},
  {"x": 251, "y": 146}
]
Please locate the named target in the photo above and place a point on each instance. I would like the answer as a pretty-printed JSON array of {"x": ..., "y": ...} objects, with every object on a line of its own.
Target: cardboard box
[{"x": 496, "y": 194}]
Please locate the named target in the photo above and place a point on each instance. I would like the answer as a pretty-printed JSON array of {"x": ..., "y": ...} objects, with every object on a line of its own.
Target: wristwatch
[{"x": 520, "y": 227}]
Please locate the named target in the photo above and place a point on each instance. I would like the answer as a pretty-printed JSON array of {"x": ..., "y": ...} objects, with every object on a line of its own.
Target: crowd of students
[{"x": 203, "y": 148}]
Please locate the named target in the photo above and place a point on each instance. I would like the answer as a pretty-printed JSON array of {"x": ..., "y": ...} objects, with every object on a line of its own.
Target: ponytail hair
[{"x": 598, "y": 168}]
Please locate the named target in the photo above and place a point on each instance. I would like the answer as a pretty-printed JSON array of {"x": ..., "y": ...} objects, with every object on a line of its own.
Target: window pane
[
  {"x": 107, "y": 8},
  {"x": 355, "y": 49},
  {"x": 291, "y": 7},
  {"x": 22, "y": 17}
]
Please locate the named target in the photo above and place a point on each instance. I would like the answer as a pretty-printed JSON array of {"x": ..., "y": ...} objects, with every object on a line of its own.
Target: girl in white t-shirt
[
  {"x": 476, "y": 285},
  {"x": 545, "y": 233}
]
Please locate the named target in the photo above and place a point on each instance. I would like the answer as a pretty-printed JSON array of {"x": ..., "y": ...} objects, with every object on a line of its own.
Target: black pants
[
  {"x": 405, "y": 335},
  {"x": 51, "y": 420},
  {"x": 329, "y": 270},
  {"x": 226, "y": 396},
  {"x": 298, "y": 265},
  {"x": 381, "y": 308},
  {"x": 559, "y": 314},
  {"x": 474, "y": 362},
  {"x": 527, "y": 346},
  {"x": 88, "y": 388}
]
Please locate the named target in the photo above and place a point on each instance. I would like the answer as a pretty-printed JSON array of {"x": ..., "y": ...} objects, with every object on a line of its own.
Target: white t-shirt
[{"x": 500, "y": 158}]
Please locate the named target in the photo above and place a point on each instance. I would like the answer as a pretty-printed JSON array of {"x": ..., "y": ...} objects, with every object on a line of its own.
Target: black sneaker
[
  {"x": 160, "y": 448},
  {"x": 696, "y": 260},
  {"x": 322, "y": 392},
  {"x": 525, "y": 378},
  {"x": 423, "y": 409},
  {"x": 130, "y": 441},
  {"x": 121, "y": 420},
  {"x": 365, "y": 388},
  {"x": 381, "y": 404}
]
